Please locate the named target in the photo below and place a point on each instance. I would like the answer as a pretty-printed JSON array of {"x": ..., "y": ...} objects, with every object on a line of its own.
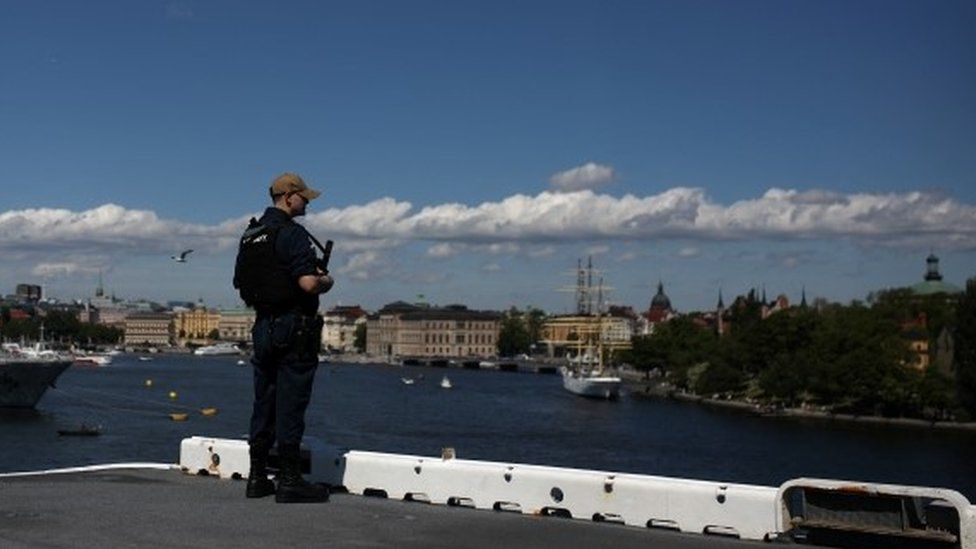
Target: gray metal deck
[{"x": 171, "y": 509}]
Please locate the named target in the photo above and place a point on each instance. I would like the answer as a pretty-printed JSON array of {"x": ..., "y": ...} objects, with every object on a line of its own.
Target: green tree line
[
  {"x": 848, "y": 358},
  {"x": 59, "y": 327}
]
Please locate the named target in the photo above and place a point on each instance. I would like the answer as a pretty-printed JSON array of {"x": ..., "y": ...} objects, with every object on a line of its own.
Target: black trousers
[{"x": 285, "y": 359}]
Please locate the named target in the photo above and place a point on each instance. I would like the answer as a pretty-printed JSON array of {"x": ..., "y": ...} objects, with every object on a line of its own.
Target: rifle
[{"x": 322, "y": 262}]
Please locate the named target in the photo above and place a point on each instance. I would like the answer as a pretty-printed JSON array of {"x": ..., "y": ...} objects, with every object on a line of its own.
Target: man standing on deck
[{"x": 277, "y": 275}]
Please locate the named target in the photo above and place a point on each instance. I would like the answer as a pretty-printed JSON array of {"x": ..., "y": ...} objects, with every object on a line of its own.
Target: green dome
[{"x": 930, "y": 287}]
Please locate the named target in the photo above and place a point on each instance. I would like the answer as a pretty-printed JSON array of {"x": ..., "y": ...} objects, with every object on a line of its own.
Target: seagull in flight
[{"x": 182, "y": 257}]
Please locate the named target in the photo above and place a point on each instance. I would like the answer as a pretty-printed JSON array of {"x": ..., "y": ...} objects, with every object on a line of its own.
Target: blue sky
[{"x": 471, "y": 151}]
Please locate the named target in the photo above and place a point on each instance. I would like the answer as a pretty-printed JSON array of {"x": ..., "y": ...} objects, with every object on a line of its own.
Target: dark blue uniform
[{"x": 285, "y": 345}]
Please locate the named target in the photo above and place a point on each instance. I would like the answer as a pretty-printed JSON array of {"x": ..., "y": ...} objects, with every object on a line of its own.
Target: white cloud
[
  {"x": 62, "y": 269},
  {"x": 367, "y": 265},
  {"x": 545, "y": 251},
  {"x": 444, "y": 250},
  {"x": 518, "y": 224},
  {"x": 689, "y": 252},
  {"x": 597, "y": 250},
  {"x": 491, "y": 268},
  {"x": 587, "y": 176}
]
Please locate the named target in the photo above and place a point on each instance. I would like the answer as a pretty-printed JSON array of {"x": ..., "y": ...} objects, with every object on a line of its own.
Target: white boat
[
  {"x": 590, "y": 383},
  {"x": 585, "y": 375},
  {"x": 445, "y": 383},
  {"x": 145, "y": 358},
  {"x": 218, "y": 350},
  {"x": 93, "y": 359},
  {"x": 407, "y": 380}
]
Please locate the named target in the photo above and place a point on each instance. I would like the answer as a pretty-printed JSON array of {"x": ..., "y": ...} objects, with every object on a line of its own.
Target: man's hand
[
  {"x": 325, "y": 283},
  {"x": 316, "y": 284}
]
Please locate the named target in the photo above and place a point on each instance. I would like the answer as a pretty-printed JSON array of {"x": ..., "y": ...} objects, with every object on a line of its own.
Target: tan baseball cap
[{"x": 292, "y": 183}]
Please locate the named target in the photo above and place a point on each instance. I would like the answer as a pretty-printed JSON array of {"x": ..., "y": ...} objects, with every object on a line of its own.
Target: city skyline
[{"x": 473, "y": 155}]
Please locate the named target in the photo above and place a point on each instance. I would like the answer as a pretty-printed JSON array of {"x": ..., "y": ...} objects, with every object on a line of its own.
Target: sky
[{"x": 472, "y": 151}]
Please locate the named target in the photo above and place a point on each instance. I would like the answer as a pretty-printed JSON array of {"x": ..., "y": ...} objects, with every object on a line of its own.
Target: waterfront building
[
  {"x": 236, "y": 325},
  {"x": 149, "y": 329},
  {"x": 196, "y": 325},
  {"x": 339, "y": 327},
  {"x": 109, "y": 316},
  {"x": 402, "y": 329}
]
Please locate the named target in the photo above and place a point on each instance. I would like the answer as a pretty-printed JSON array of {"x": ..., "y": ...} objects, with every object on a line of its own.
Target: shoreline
[
  {"x": 640, "y": 387},
  {"x": 643, "y": 389}
]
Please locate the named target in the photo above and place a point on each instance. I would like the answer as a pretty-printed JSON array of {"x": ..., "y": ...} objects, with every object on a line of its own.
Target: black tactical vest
[{"x": 264, "y": 283}]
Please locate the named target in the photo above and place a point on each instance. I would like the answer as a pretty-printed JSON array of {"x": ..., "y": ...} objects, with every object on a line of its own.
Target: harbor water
[{"x": 487, "y": 415}]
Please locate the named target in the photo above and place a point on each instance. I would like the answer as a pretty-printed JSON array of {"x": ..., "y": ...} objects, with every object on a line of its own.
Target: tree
[
  {"x": 513, "y": 338},
  {"x": 535, "y": 319},
  {"x": 359, "y": 341},
  {"x": 965, "y": 352},
  {"x": 214, "y": 334}
]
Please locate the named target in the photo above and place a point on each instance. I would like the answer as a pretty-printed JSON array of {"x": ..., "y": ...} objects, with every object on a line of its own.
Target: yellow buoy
[
  {"x": 208, "y": 411},
  {"x": 172, "y": 395},
  {"x": 148, "y": 383},
  {"x": 179, "y": 416}
]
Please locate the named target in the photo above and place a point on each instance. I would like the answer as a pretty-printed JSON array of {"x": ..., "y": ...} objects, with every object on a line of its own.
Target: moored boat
[
  {"x": 591, "y": 383},
  {"x": 93, "y": 359},
  {"x": 24, "y": 380},
  {"x": 218, "y": 350}
]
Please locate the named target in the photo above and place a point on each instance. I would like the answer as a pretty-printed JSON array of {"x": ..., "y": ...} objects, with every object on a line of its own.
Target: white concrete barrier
[
  {"x": 694, "y": 506},
  {"x": 637, "y": 500}
]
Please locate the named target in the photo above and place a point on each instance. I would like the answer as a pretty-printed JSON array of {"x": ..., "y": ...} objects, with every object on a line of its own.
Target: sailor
[{"x": 277, "y": 275}]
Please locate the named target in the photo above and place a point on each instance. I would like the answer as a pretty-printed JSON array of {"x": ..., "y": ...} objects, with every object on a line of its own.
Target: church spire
[
  {"x": 721, "y": 305},
  {"x": 803, "y": 298}
]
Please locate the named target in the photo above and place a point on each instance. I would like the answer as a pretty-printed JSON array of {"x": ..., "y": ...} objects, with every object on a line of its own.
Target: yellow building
[
  {"x": 582, "y": 334},
  {"x": 920, "y": 352},
  {"x": 196, "y": 325}
]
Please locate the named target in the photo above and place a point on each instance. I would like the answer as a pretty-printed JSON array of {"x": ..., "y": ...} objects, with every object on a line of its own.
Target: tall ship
[
  {"x": 26, "y": 373},
  {"x": 584, "y": 374}
]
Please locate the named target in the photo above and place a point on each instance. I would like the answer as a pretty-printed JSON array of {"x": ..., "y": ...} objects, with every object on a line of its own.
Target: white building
[{"x": 339, "y": 327}]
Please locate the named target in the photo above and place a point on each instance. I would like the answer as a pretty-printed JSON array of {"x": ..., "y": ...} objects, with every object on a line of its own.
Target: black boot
[
  {"x": 258, "y": 484},
  {"x": 292, "y": 488}
]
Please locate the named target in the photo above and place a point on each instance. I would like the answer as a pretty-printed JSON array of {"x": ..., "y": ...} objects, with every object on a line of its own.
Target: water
[{"x": 486, "y": 415}]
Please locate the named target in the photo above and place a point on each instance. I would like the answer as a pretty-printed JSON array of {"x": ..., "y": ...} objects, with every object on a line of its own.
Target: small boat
[
  {"x": 241, "y": 363},
  {"x": 407, "y": 380},
  {"x": 83, "y": 430},
  {"x": 445, "y": 383},
  {"x": 145, "y": 358},
  {"x": 218, "y": 350},
  {"x": 93, "y": 359}
]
